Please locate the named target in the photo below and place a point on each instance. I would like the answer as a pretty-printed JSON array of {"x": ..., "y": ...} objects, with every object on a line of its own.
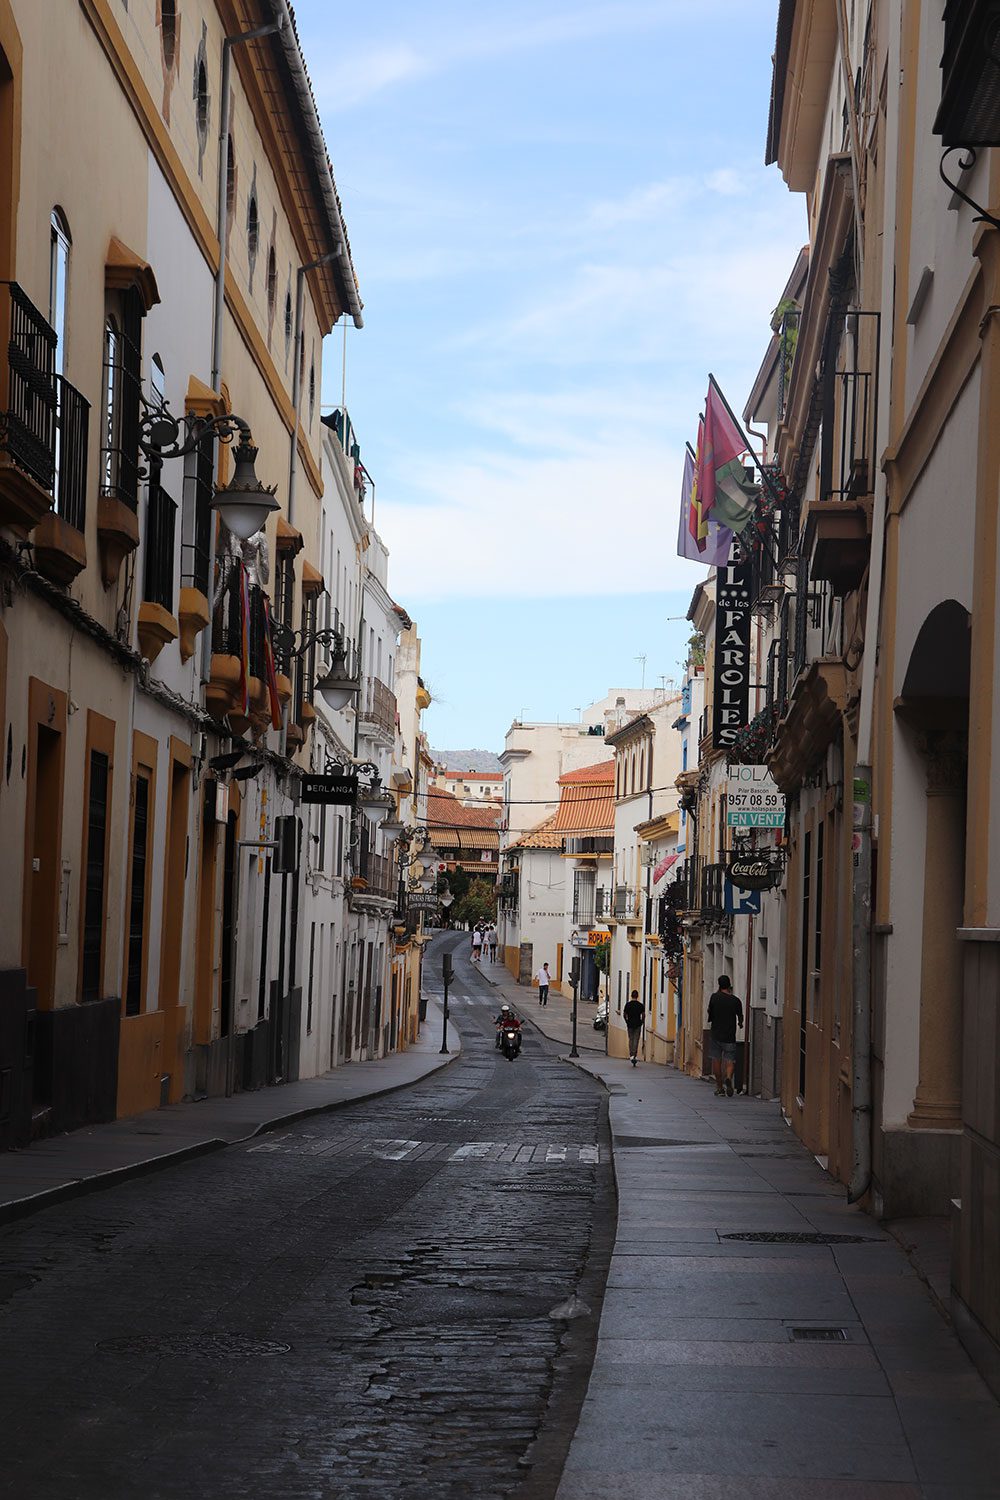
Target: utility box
[{"x": 286, "y": 840}]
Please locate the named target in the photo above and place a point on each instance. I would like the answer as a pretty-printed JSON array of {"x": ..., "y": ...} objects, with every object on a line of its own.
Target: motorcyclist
[{"x": 507, "y": 1020}]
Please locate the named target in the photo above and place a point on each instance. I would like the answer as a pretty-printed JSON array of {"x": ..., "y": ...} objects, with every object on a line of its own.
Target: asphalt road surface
[{"x": 357, "y": 1306}]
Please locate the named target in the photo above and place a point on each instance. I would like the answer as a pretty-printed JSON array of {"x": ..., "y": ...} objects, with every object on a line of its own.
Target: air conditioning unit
[{"x": 647, "y": 856}]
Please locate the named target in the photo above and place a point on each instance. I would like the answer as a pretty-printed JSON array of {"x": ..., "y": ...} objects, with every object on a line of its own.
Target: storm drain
[
  {"x": 194, "y": 1345},
  {"x": 794, "y": 1237},
  {"x": 818, "y": 1335}
]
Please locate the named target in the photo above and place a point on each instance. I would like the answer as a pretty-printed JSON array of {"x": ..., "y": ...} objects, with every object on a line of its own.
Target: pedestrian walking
[
  {"x": 725, "y": 1013},
  {"x": 477, "y": 945},
  {"x": 493, "y": 945},
  {"x": 543, "y": 981},
  {"x": 635, "y": 1019}
]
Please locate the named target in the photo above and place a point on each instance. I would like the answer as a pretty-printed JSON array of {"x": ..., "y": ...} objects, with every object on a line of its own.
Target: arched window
[
  {"x": 230, "y": 178},
  {"x": 253, "y": 230},
  {"x": 272, "y": 282},
  {"x": 59, "y": 243},
  {"x": 201, "y": 101},
  {"x": 312, "y": 392}
]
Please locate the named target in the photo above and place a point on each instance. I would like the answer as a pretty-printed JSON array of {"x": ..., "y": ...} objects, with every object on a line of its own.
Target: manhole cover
[
  {"x": 194, "y": 1345},
  {"x": 818, "y": 1335},
  {"x": 793, "y": 1237}
]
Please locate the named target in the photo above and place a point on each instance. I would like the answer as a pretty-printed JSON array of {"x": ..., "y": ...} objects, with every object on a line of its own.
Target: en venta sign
[
  {"x": 752, "y": 799},
  {"x": 731, "y": 707}
]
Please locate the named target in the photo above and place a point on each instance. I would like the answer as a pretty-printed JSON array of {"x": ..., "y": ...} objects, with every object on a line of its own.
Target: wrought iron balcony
[
  {"x": 227, "y": 627},
  {"x": 28, "y": 432},
  {"x": 379, "y": 708},
  {"x": 72, "y": 434},
  {"x": 712, "y": 902}
]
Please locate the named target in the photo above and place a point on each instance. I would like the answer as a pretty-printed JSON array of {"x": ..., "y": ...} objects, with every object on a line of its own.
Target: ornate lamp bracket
[{"x": 965, "y": 164}]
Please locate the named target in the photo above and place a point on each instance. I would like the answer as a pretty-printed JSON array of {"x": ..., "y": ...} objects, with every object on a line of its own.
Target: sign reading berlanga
[
  {"x": 330, "y": 789},
  {"x": 731, "y": 707},
  {"x": 752, "y": 799}
]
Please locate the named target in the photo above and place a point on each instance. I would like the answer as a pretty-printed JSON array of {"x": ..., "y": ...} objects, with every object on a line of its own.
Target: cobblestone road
[{"x": 353, "y": 1308}]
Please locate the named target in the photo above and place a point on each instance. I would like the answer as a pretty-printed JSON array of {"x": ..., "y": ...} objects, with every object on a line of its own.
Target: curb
[{"x": 80, "y": 1187}]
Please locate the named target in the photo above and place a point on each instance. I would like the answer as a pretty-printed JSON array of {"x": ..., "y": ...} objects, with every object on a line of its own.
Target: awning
[{"x": 665, "y": 863}]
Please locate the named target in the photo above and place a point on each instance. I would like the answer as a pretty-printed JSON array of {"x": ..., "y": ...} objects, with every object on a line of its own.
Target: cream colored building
[{"x": 148, "y": 932}]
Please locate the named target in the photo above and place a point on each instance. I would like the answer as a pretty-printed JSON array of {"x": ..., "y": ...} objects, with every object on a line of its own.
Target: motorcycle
[{"x": 510, "y": 1042}]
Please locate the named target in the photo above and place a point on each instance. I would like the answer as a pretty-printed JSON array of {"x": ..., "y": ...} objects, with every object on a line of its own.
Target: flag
[
  {"x": 244, "y": 642},
  {"x": 272, "y": 676},
  {"x": 724, "y": 492},
  {"x": 713, "y": 551}
]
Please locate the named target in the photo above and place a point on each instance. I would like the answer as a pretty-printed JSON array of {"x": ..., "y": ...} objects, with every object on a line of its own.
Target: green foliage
[
  {"x": 602, "y": 957},
  {"x": 696, "y": 649},
  {"x": 479, "y": 904},
  {"x": 458, "y": 883}
]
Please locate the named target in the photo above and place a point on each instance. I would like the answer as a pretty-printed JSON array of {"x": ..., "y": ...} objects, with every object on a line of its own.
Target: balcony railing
[
  {"x": 591, "y": 843},
  {"x": 72, "y": 433},
  {"x": 161, "y": 527},
  {"x": 227, "y": 626},
  {"x": 380, "y": 707},
  {"x": 29, "y": 421},
  {"x": 712, "y": 894}
]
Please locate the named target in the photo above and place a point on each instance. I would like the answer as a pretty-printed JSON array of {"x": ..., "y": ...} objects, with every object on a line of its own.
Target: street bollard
[
  {"x": 447, "y": 974},
  {"x": 574, "y": 979}
]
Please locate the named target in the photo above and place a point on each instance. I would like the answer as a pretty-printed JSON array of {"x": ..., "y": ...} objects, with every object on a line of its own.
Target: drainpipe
[
  {"x": 861, "y": 958},
  {"x": 222, "y": 235}
]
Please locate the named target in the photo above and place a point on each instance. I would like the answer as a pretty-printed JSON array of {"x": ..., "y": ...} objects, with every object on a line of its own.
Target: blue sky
[{"x": 561, "y": 221}]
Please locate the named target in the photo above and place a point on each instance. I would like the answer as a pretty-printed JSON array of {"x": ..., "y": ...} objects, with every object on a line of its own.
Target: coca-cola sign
[{"x": 754, "y": 872}]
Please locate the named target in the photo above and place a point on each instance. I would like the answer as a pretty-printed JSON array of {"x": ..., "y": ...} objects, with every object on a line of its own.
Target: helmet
[{"x": 505, "y": 1007}]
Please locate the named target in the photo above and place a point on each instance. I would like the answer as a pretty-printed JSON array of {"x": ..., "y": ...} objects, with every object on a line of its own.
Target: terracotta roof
[
  {"x": 590, "y": 775},
  {"x": 542, "y": 836},
  {"x": 445, "y": 811}
]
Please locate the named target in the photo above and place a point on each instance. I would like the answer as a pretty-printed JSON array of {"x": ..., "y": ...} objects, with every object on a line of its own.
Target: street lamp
[
  {"x": 374, "y": 803},
  {"x": 244, "y": 503},
  {"x": 428, "y": 857},
  {"x": 446, "y": 898},
  {"x": 337, "y": 686}
]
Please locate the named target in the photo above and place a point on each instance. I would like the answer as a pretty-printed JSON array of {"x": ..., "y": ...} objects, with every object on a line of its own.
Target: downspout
[
  {"x": 222, "y": 236},
  {"x": 861, "y": 944}
]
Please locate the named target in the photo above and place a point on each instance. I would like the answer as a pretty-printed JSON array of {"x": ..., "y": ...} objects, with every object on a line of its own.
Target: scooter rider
[{"x": 506, "y": 1021}]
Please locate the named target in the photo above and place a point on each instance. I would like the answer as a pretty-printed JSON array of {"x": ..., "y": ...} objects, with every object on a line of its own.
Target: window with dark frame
[
  {"x": 137, "y": 893},
  {"x": 93, "y": 902}
]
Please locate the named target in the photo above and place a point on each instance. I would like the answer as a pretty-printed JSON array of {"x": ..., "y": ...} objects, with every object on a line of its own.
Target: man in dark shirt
[
  {"x": 634, "y": 1017},
  {"x": 725, "y": 1013}
]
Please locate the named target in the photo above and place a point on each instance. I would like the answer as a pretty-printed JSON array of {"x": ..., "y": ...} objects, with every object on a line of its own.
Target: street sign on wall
[
  {"x": 330, "y": 790},
  {"x": 753, "y": 800}
]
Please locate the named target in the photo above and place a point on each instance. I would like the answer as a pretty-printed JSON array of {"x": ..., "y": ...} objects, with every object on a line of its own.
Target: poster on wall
[{"x": 731, "y": 706}]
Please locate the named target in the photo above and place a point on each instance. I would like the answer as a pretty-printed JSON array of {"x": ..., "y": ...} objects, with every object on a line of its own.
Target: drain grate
[
  {"x": 818, "y": 1335},
  {"x": 794, "y": 1237},
  {"x": 194, "y": 1345}
]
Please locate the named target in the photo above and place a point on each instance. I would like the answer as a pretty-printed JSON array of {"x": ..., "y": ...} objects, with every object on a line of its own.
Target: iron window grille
[
  {"x": 93, "y": 904},
  {"x": 73, "y": 427},
  {"x": 161, "y": 525},
  {"x": 196, "y": 551},
  {"x": 120, "y": 465},
  {"x": 283, "y": 605},
  {"x": 584, "y": 904}
]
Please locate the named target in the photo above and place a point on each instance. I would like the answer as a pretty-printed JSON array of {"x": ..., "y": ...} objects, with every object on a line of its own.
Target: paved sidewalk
[
  {"x": 706, "y": 1383},
  {"x": 100, "y": 1155},
  {"x": 553, "y": 1020}
]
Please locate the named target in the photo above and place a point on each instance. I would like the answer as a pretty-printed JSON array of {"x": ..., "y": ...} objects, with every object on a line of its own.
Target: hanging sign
[
  {"x": 330, "y": 790},
  {"x": 422, "y": 901},
  {"x": 752, "y": 799},
  {"x": 731, "y": 707},
  {"x": 753, "y": 872},
  {"x": 741, "y": 903}
]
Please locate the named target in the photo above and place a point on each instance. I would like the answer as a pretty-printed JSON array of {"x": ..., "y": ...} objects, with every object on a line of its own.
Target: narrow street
[{"x": 357, "y": 1306}]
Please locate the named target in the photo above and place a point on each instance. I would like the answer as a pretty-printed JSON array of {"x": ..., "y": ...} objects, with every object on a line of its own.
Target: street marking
[{"x": 456, "y": 1153}]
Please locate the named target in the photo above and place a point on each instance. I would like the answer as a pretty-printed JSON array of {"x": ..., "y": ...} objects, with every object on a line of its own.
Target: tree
[
  {"x": 602, "y": 962},
  {"x": 479, "y": 904}
]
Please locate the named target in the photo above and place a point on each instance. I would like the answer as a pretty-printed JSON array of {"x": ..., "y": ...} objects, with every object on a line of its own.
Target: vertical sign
[{"x": 731, "y": 708}]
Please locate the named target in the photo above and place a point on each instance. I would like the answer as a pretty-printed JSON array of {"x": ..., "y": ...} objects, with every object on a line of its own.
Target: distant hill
[{"x": 467, "y": 760}]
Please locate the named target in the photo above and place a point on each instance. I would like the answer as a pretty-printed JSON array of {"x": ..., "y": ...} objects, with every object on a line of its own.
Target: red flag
[
  {"x": 723, "y": 492},
  {"x": 272, "y": 676}
]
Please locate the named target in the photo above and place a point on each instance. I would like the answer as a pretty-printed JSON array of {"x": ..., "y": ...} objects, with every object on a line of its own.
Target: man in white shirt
[{"x": 543, "y": 981}]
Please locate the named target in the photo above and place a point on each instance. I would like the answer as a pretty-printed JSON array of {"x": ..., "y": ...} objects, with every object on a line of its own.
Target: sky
[{"x": 560, "y": 221}]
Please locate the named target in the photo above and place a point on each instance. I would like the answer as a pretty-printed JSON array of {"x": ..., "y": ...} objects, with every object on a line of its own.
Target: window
[
  {"x": 93, "y": 894},
  {"x": 137, "y": 893},
  {"x": 288, "y": 322},
  {"x": 59, "y": 243},
  {"x": 122, "y": 397},
  {"x": 253, "y": 230},
  {"x": 272, "y": 283},
  {"x": 196, "y": 540},
  {"x": 312, "y": 392},
  {"x": 201, "y": 100},
  {"x": 230, "y": 181},
  {"x": 168, "y": 33},
  {"x": 158, "y": 381}
]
